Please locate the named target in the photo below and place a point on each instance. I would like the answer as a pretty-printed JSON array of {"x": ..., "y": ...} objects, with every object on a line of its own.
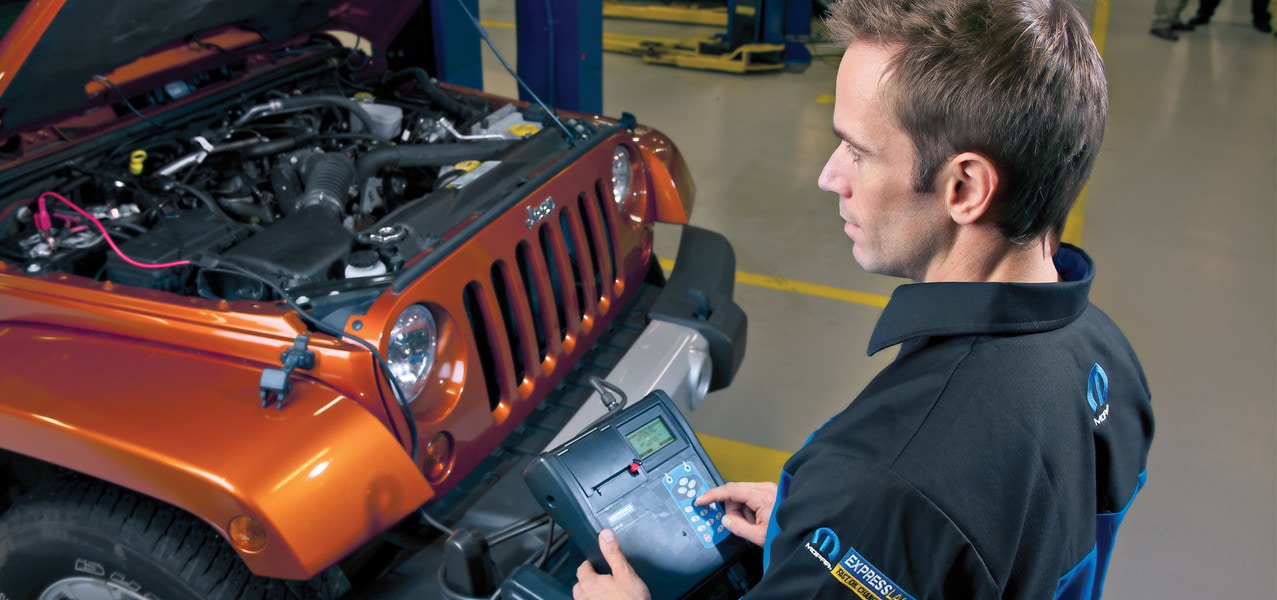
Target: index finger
[{"x": 736, "y": 491}]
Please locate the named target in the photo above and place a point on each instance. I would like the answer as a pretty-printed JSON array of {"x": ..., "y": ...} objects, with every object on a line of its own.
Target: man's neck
[{"x": 982, "y": 254}]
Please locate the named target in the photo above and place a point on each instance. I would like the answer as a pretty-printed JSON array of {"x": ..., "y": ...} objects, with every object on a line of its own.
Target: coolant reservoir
[
  {"x": 364, "y": 263},
  {"x": 387, "y": 119}
]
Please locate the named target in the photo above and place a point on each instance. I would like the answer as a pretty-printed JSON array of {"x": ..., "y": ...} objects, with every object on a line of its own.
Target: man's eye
[{"x": 852, "y": 151}]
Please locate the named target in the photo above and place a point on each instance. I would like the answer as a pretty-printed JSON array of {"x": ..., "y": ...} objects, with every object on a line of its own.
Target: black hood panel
[{"x": 94, "y": 37}]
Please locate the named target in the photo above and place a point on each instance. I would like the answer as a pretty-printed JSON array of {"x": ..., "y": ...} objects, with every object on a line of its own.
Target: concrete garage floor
[{"x": 1180, "y": 216}]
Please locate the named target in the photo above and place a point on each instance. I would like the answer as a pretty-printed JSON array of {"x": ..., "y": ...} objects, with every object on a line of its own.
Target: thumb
[
  {"x": 611, "y": 550},
  {"x": 732, "y": 524}
]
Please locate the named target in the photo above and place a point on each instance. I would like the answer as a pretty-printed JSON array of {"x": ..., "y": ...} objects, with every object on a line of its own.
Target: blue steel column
[
  {"x": 784, "y": 20},
  {"x": 456, "y": 40},
  {"x": 797, "y": 25},
  {"x": 561, "y": 52}
]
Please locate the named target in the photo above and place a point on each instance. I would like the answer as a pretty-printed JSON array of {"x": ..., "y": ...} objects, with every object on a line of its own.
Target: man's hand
[
  {"x": 748, "y": 506},
  {"x": 622, "y": 584}
]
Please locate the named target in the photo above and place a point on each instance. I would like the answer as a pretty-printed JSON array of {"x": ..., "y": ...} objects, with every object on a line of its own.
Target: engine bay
[{"x": 314, "y": 187}]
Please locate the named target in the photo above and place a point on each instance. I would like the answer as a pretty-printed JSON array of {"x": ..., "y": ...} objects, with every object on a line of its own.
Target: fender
[
  {"x": 674, "y": 191},
  {"x": 323, "y": 476}
]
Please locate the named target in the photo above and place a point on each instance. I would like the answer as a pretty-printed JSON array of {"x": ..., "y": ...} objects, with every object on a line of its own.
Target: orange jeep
[{"x": 269, "y": 306}]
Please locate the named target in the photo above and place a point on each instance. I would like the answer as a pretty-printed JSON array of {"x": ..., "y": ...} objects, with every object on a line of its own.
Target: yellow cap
[
  {"x": 136, "y": 161},
  {"x": 467, "y": 166},
  {"x": 524, "y": 130}
]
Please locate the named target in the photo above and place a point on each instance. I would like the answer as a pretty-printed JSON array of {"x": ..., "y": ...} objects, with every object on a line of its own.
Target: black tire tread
[{"x": 175, "y": 540}]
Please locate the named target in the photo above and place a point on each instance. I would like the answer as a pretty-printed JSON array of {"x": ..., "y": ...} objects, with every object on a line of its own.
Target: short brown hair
[{"x": 1017, "y": 81}]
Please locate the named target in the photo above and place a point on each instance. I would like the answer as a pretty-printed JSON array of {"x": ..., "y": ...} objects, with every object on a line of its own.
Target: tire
[{"x": 75, "y": 538}]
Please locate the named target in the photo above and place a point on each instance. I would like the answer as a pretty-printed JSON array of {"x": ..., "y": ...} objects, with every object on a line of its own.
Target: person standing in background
[
  {"x": 1262, "y": 18},
  {"x": 1166, "y": 18}
]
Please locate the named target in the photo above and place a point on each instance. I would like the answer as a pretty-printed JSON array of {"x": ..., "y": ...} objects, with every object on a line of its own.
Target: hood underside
[{"x": 56, "y": 48}]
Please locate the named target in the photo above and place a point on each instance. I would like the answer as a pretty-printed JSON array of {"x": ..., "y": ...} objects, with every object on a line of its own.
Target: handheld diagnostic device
[{"x": 638, "y": 471}]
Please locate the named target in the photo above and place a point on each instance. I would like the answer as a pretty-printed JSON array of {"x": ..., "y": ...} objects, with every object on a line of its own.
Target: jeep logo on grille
[{"x": 539, "y": 213}]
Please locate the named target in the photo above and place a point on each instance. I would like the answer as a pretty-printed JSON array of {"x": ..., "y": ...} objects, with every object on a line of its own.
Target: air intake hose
[{"x": 328, "y": 179}]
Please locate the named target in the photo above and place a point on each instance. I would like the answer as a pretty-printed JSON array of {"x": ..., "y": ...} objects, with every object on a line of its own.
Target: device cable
[{"x": 483, "y": 34}]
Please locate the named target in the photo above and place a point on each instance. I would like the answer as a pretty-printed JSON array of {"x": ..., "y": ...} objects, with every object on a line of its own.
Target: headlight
[
  {"x": 412, "y": 349},
  {"x": 620, "y": 174}
]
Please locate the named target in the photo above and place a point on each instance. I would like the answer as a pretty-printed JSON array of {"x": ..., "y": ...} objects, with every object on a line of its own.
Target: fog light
[
  {"x": 247, "y": 535},
  {"x": 438, "y": 457}
]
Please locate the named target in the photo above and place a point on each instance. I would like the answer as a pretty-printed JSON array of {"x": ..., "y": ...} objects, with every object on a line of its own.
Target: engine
[{"x": 305, "y": 187}]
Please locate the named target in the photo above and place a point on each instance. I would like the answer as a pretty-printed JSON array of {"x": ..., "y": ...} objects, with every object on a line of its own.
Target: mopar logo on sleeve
[
  {"x": 824, "y": 546},
  {"x": 866, "y": 580},
  {"x": 1097, "y": 393}
]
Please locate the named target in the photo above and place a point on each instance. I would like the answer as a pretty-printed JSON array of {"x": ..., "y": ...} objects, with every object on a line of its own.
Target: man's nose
[{"x": 826, "y": 179}]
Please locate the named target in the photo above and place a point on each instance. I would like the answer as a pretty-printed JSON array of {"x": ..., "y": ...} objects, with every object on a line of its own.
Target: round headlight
[
  {"x": 620, "y": 173},
  {"x": 412, "y": 349}
]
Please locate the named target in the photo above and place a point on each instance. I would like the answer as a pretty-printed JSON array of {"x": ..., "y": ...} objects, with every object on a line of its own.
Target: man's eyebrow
[{"x": 860, "y": 148}]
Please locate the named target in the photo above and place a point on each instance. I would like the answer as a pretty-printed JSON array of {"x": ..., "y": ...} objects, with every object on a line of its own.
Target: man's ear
[{"x": 970, "y": 185}]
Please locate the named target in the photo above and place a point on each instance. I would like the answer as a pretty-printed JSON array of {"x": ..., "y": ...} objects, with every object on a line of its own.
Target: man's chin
[{"x": 863, "y": 258}]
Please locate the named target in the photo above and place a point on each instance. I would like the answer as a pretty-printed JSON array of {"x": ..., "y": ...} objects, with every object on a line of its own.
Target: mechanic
[{"x": 996, "y": 456}]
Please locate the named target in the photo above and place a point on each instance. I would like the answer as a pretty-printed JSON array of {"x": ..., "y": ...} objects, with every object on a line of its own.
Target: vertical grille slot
[
  {"x": 511, "y": 320},
  {"x": 531, "y": 282},
  {"x": 479, "y": 327},
  {"x": 581, "y": 264},
  {"x": 591, "y": 244},
  {"x": 597, "y": 215},
  {"x": 553, "y": 252}
]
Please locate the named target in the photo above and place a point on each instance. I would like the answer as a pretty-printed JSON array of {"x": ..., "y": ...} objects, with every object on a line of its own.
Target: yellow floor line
[
  {"x": 1099, "y": 34},
  {"x": 808, "y": 289},
  {"x": 497, "y": 24}
]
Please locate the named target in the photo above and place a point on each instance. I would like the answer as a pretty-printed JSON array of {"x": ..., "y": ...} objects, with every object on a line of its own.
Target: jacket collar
[{"x": 958, "y": 308}]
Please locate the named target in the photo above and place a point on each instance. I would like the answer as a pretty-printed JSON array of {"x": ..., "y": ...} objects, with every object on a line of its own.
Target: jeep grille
[{"x": 560, "y": 282}]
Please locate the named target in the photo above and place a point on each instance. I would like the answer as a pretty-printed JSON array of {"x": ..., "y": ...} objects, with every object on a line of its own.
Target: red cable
[{"x": 102, "y": 228}]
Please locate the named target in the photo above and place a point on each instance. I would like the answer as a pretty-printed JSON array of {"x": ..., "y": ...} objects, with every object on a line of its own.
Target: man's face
[{"x": 895, "y": 230}]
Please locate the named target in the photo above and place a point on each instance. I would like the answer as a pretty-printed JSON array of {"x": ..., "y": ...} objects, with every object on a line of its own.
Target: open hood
[{"x": 54, "y": 49}]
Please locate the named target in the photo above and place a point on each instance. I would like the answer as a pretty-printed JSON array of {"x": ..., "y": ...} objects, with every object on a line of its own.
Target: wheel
[{"x": 75, "y": 538}]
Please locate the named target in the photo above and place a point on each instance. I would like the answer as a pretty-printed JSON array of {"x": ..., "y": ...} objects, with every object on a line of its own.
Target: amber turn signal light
[
  {"x": 438, "y": 457},
  {"x": 247, "y": 535}
]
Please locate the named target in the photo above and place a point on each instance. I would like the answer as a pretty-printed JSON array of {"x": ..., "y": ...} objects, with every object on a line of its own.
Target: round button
[
  {"x": 688, "y": 508},
  {"x": 687, "y": 467},
  {"x": 690, "y": 493},
  {"x": 700, "y": 528},
  {"x": 695, "y": 519},
  {"x": 708, "y": 537},
  {"x": 691, "y": 484},
  {"x": 682, "y": 490},
  {"x": 682, "y": 481},
  {"x": 703, "y": 512}
]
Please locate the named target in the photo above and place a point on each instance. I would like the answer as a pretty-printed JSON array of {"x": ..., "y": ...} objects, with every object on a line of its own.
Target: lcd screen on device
[{"x": 649, "y": 438}]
